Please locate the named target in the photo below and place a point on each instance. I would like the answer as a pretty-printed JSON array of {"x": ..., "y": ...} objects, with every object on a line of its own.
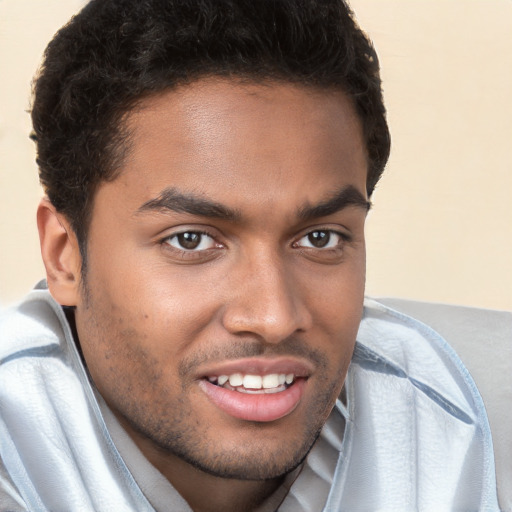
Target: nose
[{"x": 265, "y": 301}]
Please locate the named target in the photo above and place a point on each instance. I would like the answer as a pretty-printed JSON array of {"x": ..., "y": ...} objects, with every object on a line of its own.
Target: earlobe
[{"x": 61, "y": 254}]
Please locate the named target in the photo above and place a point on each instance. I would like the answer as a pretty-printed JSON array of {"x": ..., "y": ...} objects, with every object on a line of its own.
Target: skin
[{"x": 154, "y": 318}]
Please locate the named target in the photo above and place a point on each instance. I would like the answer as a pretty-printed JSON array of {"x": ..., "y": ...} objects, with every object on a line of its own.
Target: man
[{"x": 208, "y": 167}]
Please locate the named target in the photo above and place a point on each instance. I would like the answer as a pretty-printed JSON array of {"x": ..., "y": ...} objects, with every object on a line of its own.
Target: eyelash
[
  {"x": 208, "y": 252},
  {"x": 191, "y": 252},
  {"x": 343, "y": 237}
]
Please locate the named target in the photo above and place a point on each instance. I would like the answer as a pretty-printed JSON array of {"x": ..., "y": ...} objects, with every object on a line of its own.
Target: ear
[{"x": 61, "y": 254}]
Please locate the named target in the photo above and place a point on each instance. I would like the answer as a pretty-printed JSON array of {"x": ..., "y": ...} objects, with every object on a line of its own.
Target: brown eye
[
  {"x": 191, "y": 241},
  {"x": 321, "y": 239}
]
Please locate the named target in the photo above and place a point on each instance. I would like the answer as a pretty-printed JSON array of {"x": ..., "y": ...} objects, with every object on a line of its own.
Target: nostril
[{"x": 266, "y": 302}]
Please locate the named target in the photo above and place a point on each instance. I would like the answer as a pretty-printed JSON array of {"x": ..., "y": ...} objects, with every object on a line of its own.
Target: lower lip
[{"x": 262, "y": 407}]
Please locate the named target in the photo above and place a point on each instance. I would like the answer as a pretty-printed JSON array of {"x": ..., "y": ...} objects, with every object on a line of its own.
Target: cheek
[
  {"x": 143, "y": 284},
  {"x": 337, "y": 308},
  {"x": 150, "y": 314},
  {"x": 336, "y": 294},
  {"x": 126, "y": 352}
]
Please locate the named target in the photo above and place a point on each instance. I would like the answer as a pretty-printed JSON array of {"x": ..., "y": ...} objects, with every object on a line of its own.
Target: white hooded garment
[{"x": 416, "y": 436}]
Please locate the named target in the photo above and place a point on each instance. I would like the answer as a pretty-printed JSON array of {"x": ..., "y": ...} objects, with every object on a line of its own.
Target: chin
[{"x": 262, "y": 461}]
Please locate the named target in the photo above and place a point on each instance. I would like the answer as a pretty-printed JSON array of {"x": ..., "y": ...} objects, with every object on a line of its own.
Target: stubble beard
[
  {"x": 169, "y": 427},
  {"x": 193, "y": 443}
]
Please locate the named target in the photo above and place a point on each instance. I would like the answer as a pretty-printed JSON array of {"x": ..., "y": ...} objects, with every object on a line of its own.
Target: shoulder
[
  {"x": 463, "y": 354},
  {"x": 36, "y": 322},
  {"x": 415, "y": 365}
]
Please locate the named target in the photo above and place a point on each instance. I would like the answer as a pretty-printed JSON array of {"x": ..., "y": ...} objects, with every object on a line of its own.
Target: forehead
[{"x": 243, "y": 142}]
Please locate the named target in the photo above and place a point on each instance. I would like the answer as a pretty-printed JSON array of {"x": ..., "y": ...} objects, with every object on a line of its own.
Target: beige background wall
[{"x": 442, "y": 220}]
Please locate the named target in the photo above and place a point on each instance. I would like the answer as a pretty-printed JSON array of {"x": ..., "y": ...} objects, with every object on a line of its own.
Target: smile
[
  {"x": 256, "y": 389},
  {"x": 254, "y": 384}
]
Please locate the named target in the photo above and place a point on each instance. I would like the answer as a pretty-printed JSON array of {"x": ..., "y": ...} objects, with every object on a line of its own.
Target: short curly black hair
[{"x": 116, "y": 52}]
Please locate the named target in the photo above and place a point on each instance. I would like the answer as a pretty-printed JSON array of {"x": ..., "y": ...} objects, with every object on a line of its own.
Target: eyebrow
[
  {"x": 172, "y": 200},
  {"x": 347, "y": 196}
]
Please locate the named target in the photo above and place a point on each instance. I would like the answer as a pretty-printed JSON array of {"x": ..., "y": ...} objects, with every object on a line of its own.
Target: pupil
[
  {"x": 319, "y": 238},
  {"x": 189, "y": 240}
]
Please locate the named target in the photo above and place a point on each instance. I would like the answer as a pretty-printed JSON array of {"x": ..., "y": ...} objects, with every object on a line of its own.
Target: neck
[
  {"x": 216, "y": 493},
  {"x": 205, "y": 492}
]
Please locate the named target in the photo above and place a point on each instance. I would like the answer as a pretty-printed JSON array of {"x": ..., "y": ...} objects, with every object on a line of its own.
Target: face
[{"x": 225, "y": 277}]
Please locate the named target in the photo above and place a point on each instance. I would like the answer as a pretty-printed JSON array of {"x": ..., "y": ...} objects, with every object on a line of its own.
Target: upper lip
[{"x": 259, "y": 366}]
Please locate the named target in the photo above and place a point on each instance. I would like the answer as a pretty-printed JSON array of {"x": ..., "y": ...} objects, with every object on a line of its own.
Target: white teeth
[
  {"x": 252, "y": 382},
  {"x": 271, "y": 381},
  {"x": 236, "y": 380},
  {"x": 222, "y": 380}
]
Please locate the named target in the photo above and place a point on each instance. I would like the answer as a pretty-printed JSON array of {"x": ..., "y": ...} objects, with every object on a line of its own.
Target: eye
[
  {"x": 191, "y": 241},
  {"x": 321, "y": 239}
]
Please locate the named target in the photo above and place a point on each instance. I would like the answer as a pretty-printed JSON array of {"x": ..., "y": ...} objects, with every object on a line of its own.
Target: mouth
[
  {"x": 254, "y": 384},
  {"x": 257, "y": 390}
]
